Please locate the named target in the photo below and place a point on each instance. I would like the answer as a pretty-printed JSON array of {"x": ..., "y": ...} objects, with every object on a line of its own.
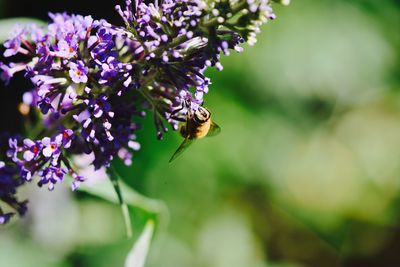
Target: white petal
[
  {"x": 92, "y": 133},
  {"x": 46, "y": 141},
  {"x": 98, "y": 113},
  {"x": 59, "y": 139},
  {"x": 28, "y": 142},
  {"x": 87, "y": 122},
  {"x": 29, "y": 155},
  {"x": 68, "y": 144},
  {"x": 134, "y": 145},
  {"x": 47, "y": 152}
]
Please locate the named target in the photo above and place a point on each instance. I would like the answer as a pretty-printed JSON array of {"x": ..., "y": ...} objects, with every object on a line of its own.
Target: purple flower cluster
[
  {"x": 92, "y": 79},
  {"x": 10, "y": 180},
  {"x": 43, "y": 157}
]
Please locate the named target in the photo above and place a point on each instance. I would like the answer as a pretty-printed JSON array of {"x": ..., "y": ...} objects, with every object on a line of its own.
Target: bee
[{"x": 198, "y": 125}]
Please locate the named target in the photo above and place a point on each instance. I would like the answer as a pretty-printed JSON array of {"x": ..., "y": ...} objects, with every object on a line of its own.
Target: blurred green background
[{"x": 306, "y": 170}]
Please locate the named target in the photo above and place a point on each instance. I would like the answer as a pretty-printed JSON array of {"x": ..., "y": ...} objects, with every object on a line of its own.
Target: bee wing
[
  {"x": 185, "y": 144},
  {"x": 214, "y": 130}
]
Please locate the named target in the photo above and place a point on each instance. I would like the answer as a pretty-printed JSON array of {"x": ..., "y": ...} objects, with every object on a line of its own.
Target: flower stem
[{"x": 114, "y": 177}]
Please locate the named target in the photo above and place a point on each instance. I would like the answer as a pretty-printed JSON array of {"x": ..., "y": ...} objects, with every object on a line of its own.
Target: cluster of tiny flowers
[
  {"x": 92, "y": 79},
  {"x": 10, "y": 180}
]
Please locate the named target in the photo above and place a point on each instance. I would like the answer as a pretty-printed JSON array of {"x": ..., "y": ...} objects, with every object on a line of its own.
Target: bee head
[{"x": 202, "y": 115}]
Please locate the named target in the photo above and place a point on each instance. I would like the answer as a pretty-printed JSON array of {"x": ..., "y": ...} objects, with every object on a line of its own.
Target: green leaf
[
  {"x": 137, "y": 255},
  {"x": 7, "y": 25}
]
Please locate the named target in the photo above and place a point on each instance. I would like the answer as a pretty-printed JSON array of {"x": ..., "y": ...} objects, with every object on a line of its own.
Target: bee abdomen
[{"x": 200, "y": 130}]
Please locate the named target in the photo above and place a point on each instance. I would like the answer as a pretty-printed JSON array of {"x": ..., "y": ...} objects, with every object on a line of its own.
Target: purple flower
[
  {"x": 4, "y": 218},
  {"x": 26, "y": 174},
  {"x": 48, "y": 93},
  {"x": 32, "y": 149},
  {"x": 66, "y": 48},
  {"x": 45, "y": 56},
  {"x": 104, "y": 38},
  {"x": 13, "y": 150},
  {"x": 109, "y": 72},
  {"x": 51, "y": 176},
  {"x": 13, "y": 45},
  {"x": 66, "y": 138},
  {"x": 99, "y": 125},
  {"x": 45, "y": 105},
  {"x": 30, "y": 98},
  {"x": 10, "y": 180},
  {"x": 43, "y": 157},
  {"x": 83, "y": 25},
  {"x": 78, "y": 72},
  {"x": 101, "y": 106},
  {"x": 77, "y": 181},
  {"x": 7, "y": 72},
  {"x": 37, "y": 34},
  {"x": 51, "y": 147},
  {"x": 101, "y": 46}
]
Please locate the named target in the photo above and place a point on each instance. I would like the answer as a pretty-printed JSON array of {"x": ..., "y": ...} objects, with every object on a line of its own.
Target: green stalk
[{"x": 114, "y": 178}]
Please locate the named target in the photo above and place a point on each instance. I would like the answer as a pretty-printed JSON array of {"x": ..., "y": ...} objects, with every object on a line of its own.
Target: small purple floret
[{"x": 78, "y": 72}]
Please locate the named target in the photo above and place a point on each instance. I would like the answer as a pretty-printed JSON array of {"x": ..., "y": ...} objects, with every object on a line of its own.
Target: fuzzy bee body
[{"x": 198, "y": 125}]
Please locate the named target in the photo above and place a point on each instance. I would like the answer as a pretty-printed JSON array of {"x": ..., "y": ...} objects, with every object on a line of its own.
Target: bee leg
[
  {"x": 177, "y": 110},
  {"x": 175, "y": 116},
  {"x": 187, "y": 104}
]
